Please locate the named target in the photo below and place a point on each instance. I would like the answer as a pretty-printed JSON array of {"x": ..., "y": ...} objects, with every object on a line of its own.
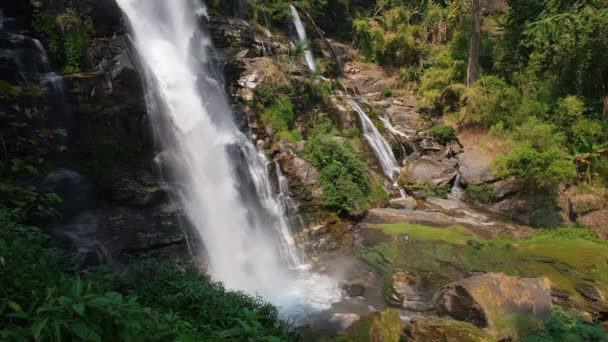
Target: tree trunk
[{"x": 473, "y": 68}]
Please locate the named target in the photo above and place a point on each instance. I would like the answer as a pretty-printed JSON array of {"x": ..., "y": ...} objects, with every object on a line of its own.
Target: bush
[
  {"x": 426, "y": 190},
  {"x": 281, "y": 118},
  {"x": 165, "y": 301},
  {"x": 568, "y": 327},
  {"x": 66, "y": 37},
  {"x": 481, "y": 193},
  {"x": 388, "y": 92},
  {"x": 213, "y": 311},
  {"x": 379, "y": 197},
  {"x": 443, "y": 133},
  {"x": 491, "y": 101},
  {"x": 343, "y": 173}
]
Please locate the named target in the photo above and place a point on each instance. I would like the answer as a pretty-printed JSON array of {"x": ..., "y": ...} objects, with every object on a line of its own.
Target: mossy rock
[
  {"x": 445, "y": 255},
  {"x": 426, "y": 329},
  {"x": 384, "y": 326}
]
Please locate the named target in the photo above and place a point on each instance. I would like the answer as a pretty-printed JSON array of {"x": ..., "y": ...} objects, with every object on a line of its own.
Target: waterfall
[
  {"x": 310, "y": 60},
  {"x": 32, "y": 67},
  {"x": 289, "y": 208},
  {"x": 457, "y": 193},
  {"x": 376, "y": 141},
  {"x": 219, "y": 179}
]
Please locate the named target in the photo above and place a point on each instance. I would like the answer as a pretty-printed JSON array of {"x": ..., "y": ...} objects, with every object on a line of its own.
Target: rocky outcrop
[
  {"x": 428, "y": 170},
  {"x": 434, "y": 329},
  {"x": 588, "y": 206},
  {"x": 486, "y": 299},
  {"x": 596, "y": 221},
  {"x": 409, "y": 203},
  {"x": 409, "y": 291},
  {"x": 475, "y": 166},
  {"x": 535, "y": 210},
  {"x": 127, "y": 215}
]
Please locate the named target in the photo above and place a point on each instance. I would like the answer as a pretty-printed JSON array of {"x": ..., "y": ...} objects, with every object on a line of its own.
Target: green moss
[
  {"x": 517, "y": 325},
  {"x": 383, "y": 326},
  {"x": 445, "y": 255}
]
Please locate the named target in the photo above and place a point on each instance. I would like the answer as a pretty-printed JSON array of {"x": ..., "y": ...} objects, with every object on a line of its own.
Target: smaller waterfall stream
[
  {"x": 297, "y": 21},
  {"x": 379, "y": 145}
]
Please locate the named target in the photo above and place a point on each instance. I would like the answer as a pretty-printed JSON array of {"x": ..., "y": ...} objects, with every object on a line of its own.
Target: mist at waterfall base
[{"x": 218, "y": 178}]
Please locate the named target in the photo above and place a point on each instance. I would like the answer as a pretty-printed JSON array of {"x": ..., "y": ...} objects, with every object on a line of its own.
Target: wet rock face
[
  {"x": 484, "y": 299},
  {"x": 125, "y": 217}
]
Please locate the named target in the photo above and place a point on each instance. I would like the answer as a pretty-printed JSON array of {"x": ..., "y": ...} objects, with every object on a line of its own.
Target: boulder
[
  {"x": 476, "y": 166},
  {"x": 434, "y": 329},
  {"x": 596, "y": 221},
  {"x": 582, "y": 202},
  {"x": 428, "y": 170},
  {"x": 505, "y": 188},
  {"x": 446, "y": 205},
  {"x": 537, "y": 210},
  {"x": 409, "y": 291},
  {"x": 485, "y": 300},
  {"x": 354, "y": 290},
  {"x": 403, "y": 203}
]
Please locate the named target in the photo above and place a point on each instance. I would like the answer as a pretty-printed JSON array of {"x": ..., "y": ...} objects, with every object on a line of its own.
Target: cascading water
[
  {"x": 310, "y": 60},
  {"x": 289, "y": 208},
  {"x": 27, "y": 63},
  {"x": 220, "y": 180},
  {"x": 376, "y": 141},
  {"x": 457, "y": 193}
]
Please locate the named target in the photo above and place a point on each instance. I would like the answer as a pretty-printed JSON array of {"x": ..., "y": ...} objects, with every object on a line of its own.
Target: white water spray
[
  {"x": 220, "y": 179},
  {"x": 310, "y": 60}
]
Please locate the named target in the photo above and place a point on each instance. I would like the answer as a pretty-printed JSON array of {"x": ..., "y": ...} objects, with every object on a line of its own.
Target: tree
[{"x": 473, "y": 68}]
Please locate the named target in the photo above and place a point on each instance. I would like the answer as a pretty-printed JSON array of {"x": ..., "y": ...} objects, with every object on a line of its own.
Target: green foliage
[
  {"x": 272, "y": 12},
  {"x": 538, "y": 158},
  {"x": 426, "y": 190},
  {"x": 351, "y": 133},
  {"x": 388, "y": 92},
  {"x": 343, "y": 173},
  {"x": 491, "y": 101},
  {"x": 481, "y": 193},
  {"x": 212, "y": 310},
  {"x": 166, "y": 300},
  {"x": 439, "y": 85},
  {"x": 390, "y": 37},
  {"x": 571, "y": 233},
  {"x": 66, "y": 37},
  {"x": 281, "y": 118},
  {"x": 568, "y": 327},
  {"x": 378, "y": 197},
  {"x": 443, "y": 133},
  {"x": 27, "y": 143}
]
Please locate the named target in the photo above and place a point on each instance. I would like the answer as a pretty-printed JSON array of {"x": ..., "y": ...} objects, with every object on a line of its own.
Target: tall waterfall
[
  {"x": 219, "y": 178},
  {"x": 310, "y": 60},
  {"x": 376, "y": 141}
]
